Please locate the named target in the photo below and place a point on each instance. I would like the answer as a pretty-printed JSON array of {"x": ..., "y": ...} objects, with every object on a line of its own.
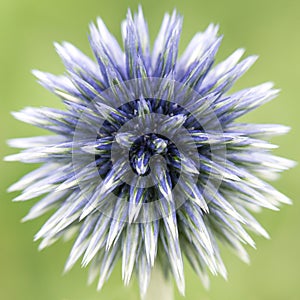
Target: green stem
[{"x": 159, "y": 288}]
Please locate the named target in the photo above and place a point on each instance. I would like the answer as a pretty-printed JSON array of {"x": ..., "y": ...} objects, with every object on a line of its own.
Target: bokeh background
[{"x": 28, "y": 28}]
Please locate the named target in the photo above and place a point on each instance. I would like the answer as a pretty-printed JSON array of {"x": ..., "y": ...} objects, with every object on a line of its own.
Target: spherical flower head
[{"x": 148, "y": 162}]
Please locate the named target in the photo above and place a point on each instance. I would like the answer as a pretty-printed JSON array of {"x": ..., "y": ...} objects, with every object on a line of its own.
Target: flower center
[{"x": 143, "y": 149}]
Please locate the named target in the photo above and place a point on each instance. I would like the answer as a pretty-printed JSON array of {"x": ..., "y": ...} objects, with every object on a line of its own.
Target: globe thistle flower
[{"x": 148, "y": 162}]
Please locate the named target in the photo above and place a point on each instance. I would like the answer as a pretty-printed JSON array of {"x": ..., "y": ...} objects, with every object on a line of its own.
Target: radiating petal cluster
[{"x": 148, "y": 162}]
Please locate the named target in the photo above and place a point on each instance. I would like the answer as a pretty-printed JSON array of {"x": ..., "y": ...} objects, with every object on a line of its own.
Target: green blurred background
[{"x": 27, "y": 30}]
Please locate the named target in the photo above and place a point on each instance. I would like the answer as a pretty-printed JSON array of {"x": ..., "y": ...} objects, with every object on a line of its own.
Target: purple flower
[{"x": 147, "y": 162}]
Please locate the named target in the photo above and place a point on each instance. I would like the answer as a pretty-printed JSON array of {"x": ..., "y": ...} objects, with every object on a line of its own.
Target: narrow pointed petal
[
  {"x": 130, "y": 244},
  {"x": 150, "y": 231}
]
